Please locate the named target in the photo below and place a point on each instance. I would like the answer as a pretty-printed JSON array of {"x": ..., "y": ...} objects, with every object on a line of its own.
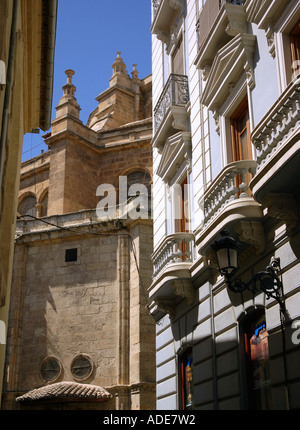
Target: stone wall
[{"x": 93, "y": 306}]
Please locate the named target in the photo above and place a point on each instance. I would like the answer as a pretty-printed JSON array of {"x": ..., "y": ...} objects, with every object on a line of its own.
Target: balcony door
[
  {"x": 178, "y": 59},
  {"x": 181, "y": 207},
  {"x": 240, "y": 139},
  {"x": 240, "y": 133}
]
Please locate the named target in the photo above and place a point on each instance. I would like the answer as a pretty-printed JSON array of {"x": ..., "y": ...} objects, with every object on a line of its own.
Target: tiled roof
[{"x": 66, "y": 390}]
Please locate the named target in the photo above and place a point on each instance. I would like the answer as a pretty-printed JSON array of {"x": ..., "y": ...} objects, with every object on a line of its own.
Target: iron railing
[{"x": 175, "y": 93}]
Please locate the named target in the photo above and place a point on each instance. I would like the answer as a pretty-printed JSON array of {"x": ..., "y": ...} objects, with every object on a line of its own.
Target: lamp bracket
[{"x": 267, "y": 281}]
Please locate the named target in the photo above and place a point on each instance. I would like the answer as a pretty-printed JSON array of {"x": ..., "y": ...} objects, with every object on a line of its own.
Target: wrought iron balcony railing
[
  {"x": 176, "y": 248},
  {"x": 232, "y": 183},
  {"x": 175, "y": 93}
]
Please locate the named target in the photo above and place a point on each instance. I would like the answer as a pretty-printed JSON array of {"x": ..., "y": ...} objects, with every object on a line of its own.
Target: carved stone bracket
[
  {"x": 167, "y": 305},
  {"x": 248, "y": 67},
  {"x": 176, "y": 4},
  {"x": 252, "y": 232},
  {"x": 235, "y": 27},
  {"x": 284, "y": 207},
  {"x": 216, "y": 117},
  {"x": 163, "y": 36},
  {"x": 271, "y": 39},
  {"x": 183, "y": 288},
  {"x": 180, "y": 121}
]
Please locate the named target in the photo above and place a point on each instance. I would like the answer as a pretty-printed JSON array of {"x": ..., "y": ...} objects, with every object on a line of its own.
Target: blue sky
[{"x": 89, "y": 34}]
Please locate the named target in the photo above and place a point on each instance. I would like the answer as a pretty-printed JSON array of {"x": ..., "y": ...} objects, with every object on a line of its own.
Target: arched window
[
  {"x": 139, "y": 177},
  {"x": 186, "y": 379},
  {"x": 27, "y": 206},
  {"x": 256, "y": 352},
  {"x": 44, "y": 205}
]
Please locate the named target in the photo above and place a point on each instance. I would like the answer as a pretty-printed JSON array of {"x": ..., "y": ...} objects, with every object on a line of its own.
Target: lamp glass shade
[
  {"x": 227, "y": 260},
  {"x": 226, "y": 252}
]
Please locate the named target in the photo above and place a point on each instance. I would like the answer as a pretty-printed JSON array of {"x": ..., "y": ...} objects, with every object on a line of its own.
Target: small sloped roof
[{"x": 71, "y": 391}]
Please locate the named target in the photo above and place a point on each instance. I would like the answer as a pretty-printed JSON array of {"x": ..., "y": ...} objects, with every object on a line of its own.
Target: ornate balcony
[
  {"x": 172, "y": 261},
  {"x": 176, "y": 248},
  {"x": 277, "y": 142},
  {"x": 170, "y": 112},
  {"x": 231, "y": 184},
  {"x": 228, "y": 204}
]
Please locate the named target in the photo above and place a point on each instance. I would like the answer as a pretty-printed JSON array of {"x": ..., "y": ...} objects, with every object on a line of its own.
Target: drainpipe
[{"x": 7, "y": 96}]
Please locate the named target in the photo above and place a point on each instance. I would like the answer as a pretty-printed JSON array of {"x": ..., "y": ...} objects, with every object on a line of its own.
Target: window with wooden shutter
[
  {"x": 295, "y": 48},
  {"x": 240, "y": 133},
  {"x": 240, "y": 138}
]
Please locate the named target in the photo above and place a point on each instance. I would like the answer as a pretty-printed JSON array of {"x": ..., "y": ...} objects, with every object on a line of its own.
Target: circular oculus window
[
  {"x": 50, "y": 369},
  {"x": 81, "y": 367}
]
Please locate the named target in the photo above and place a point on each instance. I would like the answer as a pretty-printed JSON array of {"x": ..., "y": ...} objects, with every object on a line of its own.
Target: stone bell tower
[{"x": 72, "y": 182}]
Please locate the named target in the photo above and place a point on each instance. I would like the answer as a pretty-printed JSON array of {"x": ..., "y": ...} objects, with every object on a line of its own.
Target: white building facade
[{"x": 225, "y": 152}]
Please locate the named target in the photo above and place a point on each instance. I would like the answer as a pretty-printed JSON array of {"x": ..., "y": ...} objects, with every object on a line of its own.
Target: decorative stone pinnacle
[
  {"x": 69, "y": 73},
  {"x": 135, "y": 73}
]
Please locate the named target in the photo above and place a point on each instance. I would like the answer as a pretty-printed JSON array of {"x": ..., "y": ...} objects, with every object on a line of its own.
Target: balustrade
[
  {"x": 176, "y": 248},
  {"x": 281, "y": 121},
  {"x": 231, "y": 184}
]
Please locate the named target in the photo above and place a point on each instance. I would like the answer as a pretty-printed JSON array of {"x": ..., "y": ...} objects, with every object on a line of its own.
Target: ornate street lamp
[{"x": 267, "y": 281}]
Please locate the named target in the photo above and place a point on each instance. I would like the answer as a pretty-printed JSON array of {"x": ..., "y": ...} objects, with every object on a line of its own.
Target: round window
[
  {"x": 81, "y": 367},
  {"x": 50, "y": 369}
]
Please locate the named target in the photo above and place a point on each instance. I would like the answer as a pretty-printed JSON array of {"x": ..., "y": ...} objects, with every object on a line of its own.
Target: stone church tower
[{"x": 80, "y": 333}]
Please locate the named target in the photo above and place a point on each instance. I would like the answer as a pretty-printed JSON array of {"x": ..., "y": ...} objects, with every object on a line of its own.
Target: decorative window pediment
[
  {"x": 176, "y": 150},
  {"x": 229, "y": 64}
]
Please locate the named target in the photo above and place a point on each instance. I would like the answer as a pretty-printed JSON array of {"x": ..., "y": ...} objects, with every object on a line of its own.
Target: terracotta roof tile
[{"x": 66, "y": 390}]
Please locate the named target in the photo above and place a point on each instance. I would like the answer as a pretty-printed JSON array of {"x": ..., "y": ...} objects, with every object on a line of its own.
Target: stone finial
[
  {"x": 69, "y": 73},
  {"x": 68, "y": 104},
  {"x": 119, "y": 65},
  {"x": 135, "y": 73},
  {"x": 69, "y": 89}
]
